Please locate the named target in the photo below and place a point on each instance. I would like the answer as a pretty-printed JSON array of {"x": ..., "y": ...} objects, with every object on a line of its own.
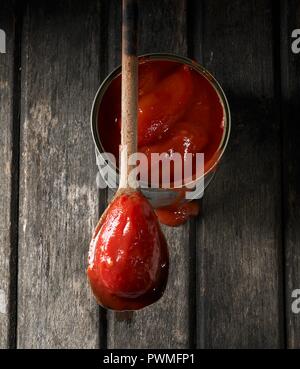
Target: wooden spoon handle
[{"x": 129, "y": 88}]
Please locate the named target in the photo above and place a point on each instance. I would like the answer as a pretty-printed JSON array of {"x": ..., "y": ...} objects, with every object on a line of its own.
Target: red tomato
[
  {"x": 160, "y": 109},
  {"x": 183, "y": 138},
  {"x": 149, "y": 77}
]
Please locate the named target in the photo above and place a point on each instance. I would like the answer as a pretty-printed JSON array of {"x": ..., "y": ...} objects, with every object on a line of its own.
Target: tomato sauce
[
  {"x": 175, "y": 215},
  {"x": 179, "y": 112},
  {"x": 128, "y": 256}
]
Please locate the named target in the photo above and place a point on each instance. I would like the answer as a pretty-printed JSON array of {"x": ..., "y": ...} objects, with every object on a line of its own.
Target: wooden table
[{"x": 234, "y": 268}]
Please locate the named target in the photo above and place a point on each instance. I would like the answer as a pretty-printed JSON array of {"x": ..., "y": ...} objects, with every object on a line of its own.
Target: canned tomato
[{"x": 188, "y": 111}]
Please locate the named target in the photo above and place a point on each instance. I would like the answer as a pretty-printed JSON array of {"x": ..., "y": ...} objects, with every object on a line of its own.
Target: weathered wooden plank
[
  {"x": 166, "y": 323},
  {"x": 290, "y": 89},
  {"x": 239, "y": 238},
  {"x": 58, "y": 196},
  {"x": 7, "y": 168}
]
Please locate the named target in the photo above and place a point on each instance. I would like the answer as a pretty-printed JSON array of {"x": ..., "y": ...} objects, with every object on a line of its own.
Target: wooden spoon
[{"x": 128, "y": 257}]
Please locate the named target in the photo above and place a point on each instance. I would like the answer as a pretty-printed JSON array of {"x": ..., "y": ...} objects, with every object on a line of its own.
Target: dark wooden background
[{"x": 233, "y": 269}]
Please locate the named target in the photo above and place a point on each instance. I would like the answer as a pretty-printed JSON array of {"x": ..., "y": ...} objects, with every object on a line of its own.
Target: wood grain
[
  {"x": 290, "y": 96},
  {"x": 166, "y": 324},
  {"x": 58, "y": 197},
  {"x": 241, "y": 292},
  {"x": 239, "y": 302},
  {"x": 7, "y": 172}
]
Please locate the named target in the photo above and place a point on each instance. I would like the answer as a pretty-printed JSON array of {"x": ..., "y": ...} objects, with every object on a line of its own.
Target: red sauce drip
[
  {"x": 179, "y": 111},
  {"x": 175, "y": 215},
  {"x": 128, "y": 258}
]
